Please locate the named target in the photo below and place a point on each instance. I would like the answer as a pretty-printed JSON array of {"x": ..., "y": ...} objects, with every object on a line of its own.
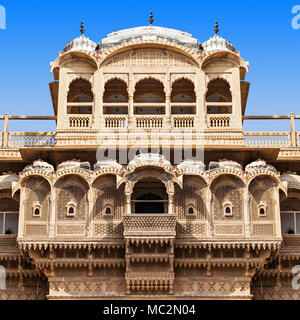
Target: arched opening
[
  {"x": 290, "y": 213},
  {"x": 80, "y": 97},
  {"x": 147, "y": 93},
  {"x": 218, "y": 97},
  {"x": 149, "y": 197},
  {"x": 9, "y": 216},
  {"x": 115, "y": 92},
  {"x": 182, "y": 96},
  {"x": 227, "y": 191}
]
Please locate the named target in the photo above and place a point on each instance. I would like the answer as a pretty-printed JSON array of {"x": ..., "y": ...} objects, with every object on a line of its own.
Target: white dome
[
  {"x": 149, "y": 33},
  {"x": 107, "y": 164},
  {"x": 192, "y": 164},
  {"x": 217, "y": 43},
  {"x": 81, "y": 43},
  {"x": 73, "y": 164},
  {"x": 227, "y": 164},
  {"x": 39, "y": 165},
  {"x": 260, "y": 165},
  {"x": 148, "y": 158}
]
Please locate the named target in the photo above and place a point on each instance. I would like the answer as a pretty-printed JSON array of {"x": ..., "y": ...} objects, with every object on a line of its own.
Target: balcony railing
[
  {"x": 267, "y": 139},
  {"x": 183, "y": 121},
  {"x": 149, "y": 122},
  {"x": 149, "y": 224},
  {"x": 80, "y": 121},
  {"x": 219, "y": 121},
  {"x": 116, "y": 121},
  {"x": 31, "y": 139}
]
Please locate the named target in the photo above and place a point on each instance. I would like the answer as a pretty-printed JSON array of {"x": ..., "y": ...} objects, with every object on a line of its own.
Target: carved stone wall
[{"x": 149, "y": 58}]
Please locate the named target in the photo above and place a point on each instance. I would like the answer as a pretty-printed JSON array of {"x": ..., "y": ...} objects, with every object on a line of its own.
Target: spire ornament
[
  {"x": 217, "y": 27},
  {"x": 82, "y": 30},
  {"x": 151, "y": 18}
]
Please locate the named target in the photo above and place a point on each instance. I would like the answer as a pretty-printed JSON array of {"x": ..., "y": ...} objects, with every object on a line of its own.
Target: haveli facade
[{"x": 149, "y": 223}]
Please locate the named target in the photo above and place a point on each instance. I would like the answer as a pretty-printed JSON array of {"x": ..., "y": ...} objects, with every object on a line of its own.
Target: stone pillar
[
  {"x": 293, "y": 131},
  {"x": 246, "y": 213},
  {"x": 277, "y": 213},
  {"x": 210, "y": 226},
  {"x": 90, "y": 213},
  {"x": 5, "y": 131},
  {"x": 128, "y": 203},
  {"x": 52, "y": 212},
  {"x": 21, "y": 214},
  {"x": 170, "y": 204},
  {"x": 62, "y": 120},
  {"x": 200, "y": 91},
  {"x": 131, "y": 89},
  {"x": 236, "y": 100},
  {"x": 130, "y": 112},
  {"x": 168, "y": 110},
  {"x": 98, "y": 100}
]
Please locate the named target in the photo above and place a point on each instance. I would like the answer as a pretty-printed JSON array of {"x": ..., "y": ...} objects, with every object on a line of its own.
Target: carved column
[
  {"x": 200, "y": 91},
  {"x": 52, "y": 212},
  {"x": 21, "y": 214},
  {"x": 98, "y": 100},
  {"x": 128, "y": 203},
  {"x": 90, "y": 213},
  {"x": 168, "y": 110},
  {"x": 62, "y": 121},
  {"x": 210, "y": 226},
  {"x": 277, "y": 213},
  {"x": 246, "y": 213},
  {"x": 236, "y": 99},
  {"x": 171, "y": 200},
  {"x": 131, "y": 101}
]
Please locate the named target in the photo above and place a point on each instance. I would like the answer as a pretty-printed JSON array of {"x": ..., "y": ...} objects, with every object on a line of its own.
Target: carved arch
[{"x": 165, "y": 177}]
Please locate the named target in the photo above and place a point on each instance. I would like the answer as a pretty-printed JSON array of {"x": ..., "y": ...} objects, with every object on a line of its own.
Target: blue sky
[{"x": 261, "y": 30}]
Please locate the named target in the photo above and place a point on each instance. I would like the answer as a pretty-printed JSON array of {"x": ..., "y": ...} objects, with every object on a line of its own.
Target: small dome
[
  {"x": 39, "y": 165},
  {"x": 260, "y": 165},
  {"x": 146, "y": 158},
  {"x": 7, "y": 179},
  {"x": 228, "y": 164},
  {"x": 81, "y": 43},
  {"x": 149, "y": 33},
  {"x": 73, "y": 164},
  {"x": 192, "y": 164},
  {"x": 107, "y": 164},
  {"x": 217, "y": 43}
]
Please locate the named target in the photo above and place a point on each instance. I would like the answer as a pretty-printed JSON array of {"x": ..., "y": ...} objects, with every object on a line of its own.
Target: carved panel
[
  {"x": 149, "y": 58},
  {"x": 213, "y": 287},
  {"x": 35, "y": 230},
  {"x": 263, "y": 229},
  {"x": 108, "y": 229},
  {"x": 90, "y": 288},
  {"x": 229, "y": 230},
  {"x": 70, "y": 229},
  {"x": 261, "y": 191}
]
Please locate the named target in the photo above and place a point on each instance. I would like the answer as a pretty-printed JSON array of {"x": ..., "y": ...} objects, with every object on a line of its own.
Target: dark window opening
[
  {"x": 108, "y": 211},
  {"x": 37, "y": 212},
  {"x": 262, "y": 212},
  {"x": 228, "y": 211},
  {"x": 191, "y": 211}
]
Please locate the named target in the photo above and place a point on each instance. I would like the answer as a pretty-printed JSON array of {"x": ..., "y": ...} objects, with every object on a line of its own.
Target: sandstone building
[{"x": 149, "y": 187}]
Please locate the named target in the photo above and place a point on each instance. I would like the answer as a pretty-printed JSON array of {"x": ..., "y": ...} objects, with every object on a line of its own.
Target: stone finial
[
  {"x": 217, "y": 27},
  {"x": 82, "y": 30},
  {"x": 151, "y": 18}
]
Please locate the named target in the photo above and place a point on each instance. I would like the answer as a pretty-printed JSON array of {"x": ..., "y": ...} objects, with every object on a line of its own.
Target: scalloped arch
[{"x": 189, "y": 53}]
